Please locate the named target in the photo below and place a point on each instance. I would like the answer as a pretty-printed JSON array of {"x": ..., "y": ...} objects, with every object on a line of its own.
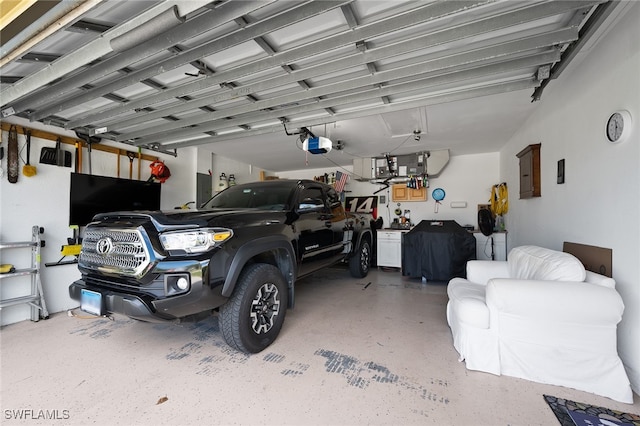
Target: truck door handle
[{"x": 327, "y": 224}]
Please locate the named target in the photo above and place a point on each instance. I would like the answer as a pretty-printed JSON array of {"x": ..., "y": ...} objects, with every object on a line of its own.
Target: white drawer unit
[
  {"x": 389, "y": 247},
  {"x": 483, "y": 245}
]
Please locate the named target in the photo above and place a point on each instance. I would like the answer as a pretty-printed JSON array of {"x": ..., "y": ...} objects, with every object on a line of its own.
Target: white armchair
[{"x": 540, "y": 316}]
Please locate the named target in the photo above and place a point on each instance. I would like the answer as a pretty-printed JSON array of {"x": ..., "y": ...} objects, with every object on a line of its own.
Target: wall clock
[{"x": 618, "y": 126}]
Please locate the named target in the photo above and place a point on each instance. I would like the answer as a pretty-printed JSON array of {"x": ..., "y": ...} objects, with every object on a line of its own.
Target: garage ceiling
[{"x": 244, "y": 77}]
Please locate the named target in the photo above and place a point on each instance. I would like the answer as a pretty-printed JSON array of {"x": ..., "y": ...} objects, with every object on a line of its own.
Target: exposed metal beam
[
  {"x": 90, "y": 51},
  {"x": 433, "y": 80},
  {"x": 249, "y": 33},
  {"x": 349, "y": 16},
  {"x": 38, "y": 57},
  {"x": 169, "y": 39},
  {"x": 433, "y": 100},
  {"x": 598, "y": 16},
  {"x": 116, "y": 98},
  {"x": 435, "y": 63},
  {"x": 436, "y": 78},
  {"x": 85, "y": 26},
  {"x": 423, "y": 13},
  {"x": 268, "y": 49},
  {"x": 9, "y": 79},
  {"x": 53, "y": 20},
  {"x": 471, "y": 28}
]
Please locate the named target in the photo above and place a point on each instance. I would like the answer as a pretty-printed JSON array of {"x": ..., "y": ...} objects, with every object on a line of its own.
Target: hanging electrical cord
[
  {"x": 339, "y": 166},
  {"x": 499, "y": 199},
  {"x": 402, "y": 143}
]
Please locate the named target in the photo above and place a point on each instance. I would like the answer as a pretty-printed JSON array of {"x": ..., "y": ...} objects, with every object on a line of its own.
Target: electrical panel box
[{"x": 401, "y": 165}]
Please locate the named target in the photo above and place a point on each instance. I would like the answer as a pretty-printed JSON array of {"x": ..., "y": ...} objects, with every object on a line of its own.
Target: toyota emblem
[{"x": 104, "y": 246}]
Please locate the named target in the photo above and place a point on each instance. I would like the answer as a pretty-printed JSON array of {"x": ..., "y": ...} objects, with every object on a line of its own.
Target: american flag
[{"x": 341, "y": 181}]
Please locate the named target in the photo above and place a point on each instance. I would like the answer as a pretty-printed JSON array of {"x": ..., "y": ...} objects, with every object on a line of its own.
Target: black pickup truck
[{"x": 240, "y": 253}]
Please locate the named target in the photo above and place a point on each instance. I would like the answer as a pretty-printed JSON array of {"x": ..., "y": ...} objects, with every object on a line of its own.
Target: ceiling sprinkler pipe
[{"x": 152, "y": 28}]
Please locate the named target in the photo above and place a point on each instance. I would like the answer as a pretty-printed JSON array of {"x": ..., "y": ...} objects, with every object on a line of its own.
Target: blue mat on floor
[{"x": 571, "y": 413}]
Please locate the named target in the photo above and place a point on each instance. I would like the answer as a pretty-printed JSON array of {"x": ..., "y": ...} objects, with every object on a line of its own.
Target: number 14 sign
[{"x": 366, "y": 204}]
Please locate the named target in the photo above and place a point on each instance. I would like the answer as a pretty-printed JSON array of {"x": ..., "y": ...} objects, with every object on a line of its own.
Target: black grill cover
[{"x": 437, "y": 250}]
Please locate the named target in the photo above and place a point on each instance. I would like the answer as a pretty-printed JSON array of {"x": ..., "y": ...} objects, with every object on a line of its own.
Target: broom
[{"x": 28, "y": 170}]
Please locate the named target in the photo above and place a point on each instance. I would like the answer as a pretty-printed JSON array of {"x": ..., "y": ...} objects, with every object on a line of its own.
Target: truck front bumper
[
  {"x": 120, "y": 303},
  {"x": 154, "y": 306}
]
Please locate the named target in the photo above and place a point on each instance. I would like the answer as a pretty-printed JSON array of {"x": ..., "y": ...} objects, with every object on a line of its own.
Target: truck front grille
[{"x": 118, "y": 251}]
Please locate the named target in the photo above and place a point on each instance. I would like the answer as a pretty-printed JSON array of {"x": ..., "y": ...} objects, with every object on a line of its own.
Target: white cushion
[
  {"x": 598, "y": 279},
  {"x": 468, "y": 301},
  {"x": 539, "y": 263}
]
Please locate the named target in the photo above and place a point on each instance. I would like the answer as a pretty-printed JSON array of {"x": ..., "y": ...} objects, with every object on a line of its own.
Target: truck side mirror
[{"x": 310, "y": 205}]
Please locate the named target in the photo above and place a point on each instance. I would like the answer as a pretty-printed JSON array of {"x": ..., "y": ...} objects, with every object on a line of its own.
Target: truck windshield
[{"x": 247, "y": 197}]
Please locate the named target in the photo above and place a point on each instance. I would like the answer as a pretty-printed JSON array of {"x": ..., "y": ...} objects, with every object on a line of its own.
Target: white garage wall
[
  {"x": 43, "y": 200},
  {"x": 600, "y": 202},
  {"x": 465, "y": 178},
  {"x": 243, "y": 172}
]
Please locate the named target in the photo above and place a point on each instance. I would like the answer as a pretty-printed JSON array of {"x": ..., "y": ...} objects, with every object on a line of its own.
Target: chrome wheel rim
[
  {"x": 265, "y": 308},
  {"x": 364, "y": 258}
]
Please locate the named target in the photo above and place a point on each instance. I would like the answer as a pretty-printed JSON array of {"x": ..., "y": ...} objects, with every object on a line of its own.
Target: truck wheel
[
  {"x": 359, "y": 263},
  {"x": 253, "y": 316}
]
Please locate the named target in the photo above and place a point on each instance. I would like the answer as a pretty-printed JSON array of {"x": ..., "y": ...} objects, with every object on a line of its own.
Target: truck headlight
[{"x": 195, "y": 241}]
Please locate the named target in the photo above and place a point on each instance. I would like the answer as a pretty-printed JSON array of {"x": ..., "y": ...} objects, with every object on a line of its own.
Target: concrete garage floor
[{"x": 370, "y": 351}]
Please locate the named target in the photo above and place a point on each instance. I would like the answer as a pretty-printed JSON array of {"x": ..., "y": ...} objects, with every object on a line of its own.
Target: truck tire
[
  {"x": 360, "y": 261},
  {"x": 253, "y": 316}
]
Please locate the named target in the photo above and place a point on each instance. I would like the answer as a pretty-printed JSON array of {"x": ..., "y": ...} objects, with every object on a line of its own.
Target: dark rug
[{"x": 571, "y": 413}]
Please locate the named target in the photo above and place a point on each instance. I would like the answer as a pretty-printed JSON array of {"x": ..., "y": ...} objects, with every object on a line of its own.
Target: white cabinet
[
  {"x": 389, "y": 247},
  {"x": 483, "y": 245}
]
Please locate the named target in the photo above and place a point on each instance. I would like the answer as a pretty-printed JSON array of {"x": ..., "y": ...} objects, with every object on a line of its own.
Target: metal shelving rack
[{"x": 36, "y": 298}]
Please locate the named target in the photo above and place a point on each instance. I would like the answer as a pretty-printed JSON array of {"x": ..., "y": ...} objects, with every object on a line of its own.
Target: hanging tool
[
  {"x": 78, "y": 160},
  {"x": 131, "y": 156},
  {"x": 1, "y": 158},
  {"x": 12, "y": 156},
  {"x": 89, "y": 140},
  {"x": 28, "y": 170},
  {"x": 118, "y": 163},
  {"x": 59, "y": 154},
  {"x": 89, "y": 155},
  {"x": 55, "y": 156},
  {"x": 73, "y": 248},
  {"x": 139, "y": 162}
]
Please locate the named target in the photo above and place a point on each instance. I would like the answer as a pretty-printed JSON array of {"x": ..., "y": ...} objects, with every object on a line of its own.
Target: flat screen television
[{"x": 92, "y": 194}]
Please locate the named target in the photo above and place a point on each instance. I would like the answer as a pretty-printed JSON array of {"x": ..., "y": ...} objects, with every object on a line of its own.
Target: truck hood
[{"x": 187, "y": 219}]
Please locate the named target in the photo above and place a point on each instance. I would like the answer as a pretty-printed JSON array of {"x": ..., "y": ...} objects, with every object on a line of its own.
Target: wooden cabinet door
[
  {"x": 400, "y": 192},
  {"x": 530, "y": 171},
  {"x": 417, "y": 194},
  {"x": 526, "y": 176}
]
